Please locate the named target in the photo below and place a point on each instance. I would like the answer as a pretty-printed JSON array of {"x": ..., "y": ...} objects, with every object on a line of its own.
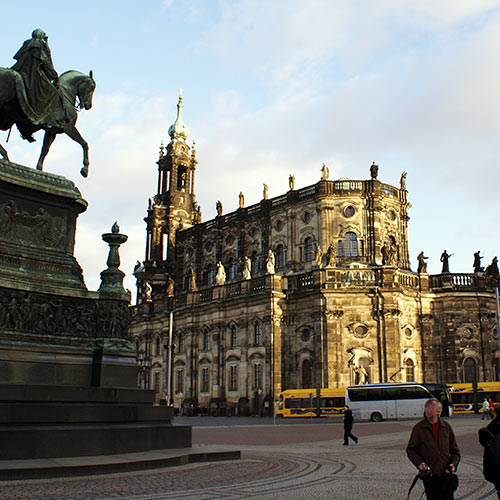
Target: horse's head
[{"x": 85, "y": 91}]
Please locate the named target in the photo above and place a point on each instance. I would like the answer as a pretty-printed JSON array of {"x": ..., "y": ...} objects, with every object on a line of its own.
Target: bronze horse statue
[{"x": 72, "y": 84}]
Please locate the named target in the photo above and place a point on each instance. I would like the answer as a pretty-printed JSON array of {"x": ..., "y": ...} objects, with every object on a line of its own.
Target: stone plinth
[{"x": 67, "y": 368}]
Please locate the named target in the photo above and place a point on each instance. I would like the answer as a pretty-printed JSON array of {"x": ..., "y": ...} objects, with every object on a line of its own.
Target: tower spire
[{"x": 179, "y": 131}]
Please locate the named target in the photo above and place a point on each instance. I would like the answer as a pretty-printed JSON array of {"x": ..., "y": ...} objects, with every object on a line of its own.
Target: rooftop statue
[
  {"x": 34, "y": 97},
  {"x": 476, "y": 265}
]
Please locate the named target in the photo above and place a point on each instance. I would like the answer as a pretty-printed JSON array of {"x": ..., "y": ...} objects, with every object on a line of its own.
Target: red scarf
[{"x": 435, "y": 431}]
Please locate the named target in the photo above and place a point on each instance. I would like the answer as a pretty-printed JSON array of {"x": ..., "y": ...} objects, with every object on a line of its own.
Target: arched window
[
  {"x": 410, "y": 370},
  {"x": 308, "y": 249},
  {"x": 280, "y": 256},
  {"x": 306, "y": 374},
  {"x": 255, "y": 263},
  {"x": 205, "y": 379},
  {"x": 210, "y": 274},
  {"x": 233, "y": 378},
  {"x": 232, "y": 266},
  {"x": 350, "y": 245},
  {"x": 470, "y": 370},
  {"x": 206, "y": 340},
  {"x": 257, "y": 330},
  {"x": 234, "y": 340}
]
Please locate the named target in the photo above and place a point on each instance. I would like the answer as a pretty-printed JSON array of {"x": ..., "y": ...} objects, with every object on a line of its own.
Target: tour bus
[
  {"x": 305, "y": 403},
  {"x": 378, "y": 402},
  {"x": 462, "y": 395}
]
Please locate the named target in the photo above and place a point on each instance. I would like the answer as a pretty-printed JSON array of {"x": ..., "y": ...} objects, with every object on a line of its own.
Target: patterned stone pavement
[{"x": 293, "y": 462}]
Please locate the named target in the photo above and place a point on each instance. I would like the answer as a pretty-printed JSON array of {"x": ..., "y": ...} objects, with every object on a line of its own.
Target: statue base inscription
[{"x": 67, "y": 369}]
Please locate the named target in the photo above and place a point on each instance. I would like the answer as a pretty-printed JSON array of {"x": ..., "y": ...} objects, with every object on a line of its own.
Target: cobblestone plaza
[{"x": 292, "y": 460}]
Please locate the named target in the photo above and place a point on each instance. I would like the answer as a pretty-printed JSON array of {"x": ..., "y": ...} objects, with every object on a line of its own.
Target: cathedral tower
[{"x": 172, "y": 208}]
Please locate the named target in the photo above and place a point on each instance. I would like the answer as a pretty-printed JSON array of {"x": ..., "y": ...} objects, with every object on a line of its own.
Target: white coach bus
[{"x": 378, "y": 402}]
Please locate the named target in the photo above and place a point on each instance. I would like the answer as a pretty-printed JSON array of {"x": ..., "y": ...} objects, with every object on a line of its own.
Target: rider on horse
[{"x": 34, "y": 64}]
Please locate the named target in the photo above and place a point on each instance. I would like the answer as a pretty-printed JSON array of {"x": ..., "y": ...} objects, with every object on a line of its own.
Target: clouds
[{"x": 281, "y": 87}]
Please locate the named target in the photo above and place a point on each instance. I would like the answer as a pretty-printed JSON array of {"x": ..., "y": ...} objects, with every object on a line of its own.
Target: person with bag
[
  {"x": 489, "y": 437},
  {"x": 433, "y": 449},
  {"x": 486, "y": 410}
]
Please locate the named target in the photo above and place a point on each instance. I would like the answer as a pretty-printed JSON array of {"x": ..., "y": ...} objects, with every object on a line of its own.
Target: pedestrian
[
  {"x": 348, "y": 422},
  {"x": 486, "y": 409},
  {"x": 492, "y": 406},
  {"x": 433, "y": 449},
  {"x": 491, "y": 470}
]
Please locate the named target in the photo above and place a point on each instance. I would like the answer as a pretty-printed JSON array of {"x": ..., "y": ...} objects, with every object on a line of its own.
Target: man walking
[
  {"x": 433, "y": 449},
  {"x": 348, "y": 422}
]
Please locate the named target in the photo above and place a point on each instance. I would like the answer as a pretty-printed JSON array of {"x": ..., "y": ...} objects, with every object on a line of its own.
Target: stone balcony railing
[{"x": 326, "y": 279}]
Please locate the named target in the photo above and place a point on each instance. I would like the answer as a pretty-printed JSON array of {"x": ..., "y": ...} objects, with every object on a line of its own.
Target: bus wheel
[{"x": 376, "y": 417}]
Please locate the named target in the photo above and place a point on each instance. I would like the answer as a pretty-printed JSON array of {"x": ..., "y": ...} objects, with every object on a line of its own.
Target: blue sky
[{"x": 279, "y": 87}]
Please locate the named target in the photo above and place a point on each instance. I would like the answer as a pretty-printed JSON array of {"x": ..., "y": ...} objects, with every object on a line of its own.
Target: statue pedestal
[{"x": 68, "y": 372}]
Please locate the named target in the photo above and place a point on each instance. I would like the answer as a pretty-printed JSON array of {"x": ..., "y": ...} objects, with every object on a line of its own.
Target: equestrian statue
[{"x": 34, "y": 97}]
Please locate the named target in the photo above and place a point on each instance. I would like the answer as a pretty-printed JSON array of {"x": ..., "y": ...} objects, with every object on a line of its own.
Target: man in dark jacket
[
  {"x": 432, "y": 445},
  {"x": 491, "y": 470},
  {"x": 348, "y": 422}
]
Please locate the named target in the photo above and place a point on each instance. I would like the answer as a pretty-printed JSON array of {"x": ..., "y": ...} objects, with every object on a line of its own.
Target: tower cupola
[{"x": 179, "y": 131}]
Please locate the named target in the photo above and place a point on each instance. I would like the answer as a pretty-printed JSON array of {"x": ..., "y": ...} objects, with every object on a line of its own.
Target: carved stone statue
[
  {"x": 147, "y": 291},
  {"x": 445, "y": 256},
  {"x": 477, "y": 262},
  {"x": 492, "y": 269},
  {"x": 422, "y": 265},
  {"x": 291, "y": 182},
  {"x": 319, "y": 257},
  {"x": 170, "y": 287},
  {"x": 246, "y": 268},
  {"x": 402, "y": 181},
  {"x": 241, "y": 199},
  {"x": 220, "y": 277},
  {"x": 374, "y": 170},
  {"x": 218, "y": 207},
  {"x": 265, "y": 192},
  {"x": 325, "y": 173},
  {"x": 270, "y": 262},
  {"x": 192, "y": 281},
  {"x": 331, "y": 258},
  {"x": 34, "y": 97},
  {"x": 389, "y": 253}
]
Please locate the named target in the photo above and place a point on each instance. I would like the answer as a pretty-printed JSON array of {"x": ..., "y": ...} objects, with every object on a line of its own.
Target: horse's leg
[
  {"x": 4, "y": 153},
  {"x": 75, "y": 135},
  {"x": 48, "y": 139}
]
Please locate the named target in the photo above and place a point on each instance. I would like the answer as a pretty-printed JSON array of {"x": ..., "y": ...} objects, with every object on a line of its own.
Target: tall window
[
  {"x": 280, "y": 256},
  {"x": 205, "y": 379},
  {"x": 410, "y": 370},
  {"x": 470, "y": 370},
  {"x": 233, "y": 378},
  {"x": 233, "y": 269},
  {"x": 158, "y": 346},
  {"x": 180, "y": 343},
  {"x": 179, "y": 381},
  {"x": 156, "y": 382},
  {"x": 254, "y": 259},
  {"x": 206, "y": 340},
  {"x": 257, "y": 376},
  {"x": 350, "y": 245},
  {"x": 210, "y": 274},
  {"x": 233, "y": 341},
  {"x": 257, "y": 330},
  {"x": 308, "y": 249},
  {"x": 306, "y": 374}
]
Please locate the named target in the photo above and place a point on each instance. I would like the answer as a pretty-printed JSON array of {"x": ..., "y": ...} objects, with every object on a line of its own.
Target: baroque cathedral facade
[{"x": 312, "y": 288}]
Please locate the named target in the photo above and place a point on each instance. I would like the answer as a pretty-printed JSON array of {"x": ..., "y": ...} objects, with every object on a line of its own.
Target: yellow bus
[
  {"x": 462, "y": 395},
  {"x": 305, "y": 403}
]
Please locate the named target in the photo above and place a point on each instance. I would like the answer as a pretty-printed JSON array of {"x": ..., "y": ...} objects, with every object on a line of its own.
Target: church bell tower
[{"x": 173, "y": 208}]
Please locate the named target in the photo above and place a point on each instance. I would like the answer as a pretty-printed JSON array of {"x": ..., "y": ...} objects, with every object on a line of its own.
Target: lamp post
[{"x": 140, "y": 363}]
